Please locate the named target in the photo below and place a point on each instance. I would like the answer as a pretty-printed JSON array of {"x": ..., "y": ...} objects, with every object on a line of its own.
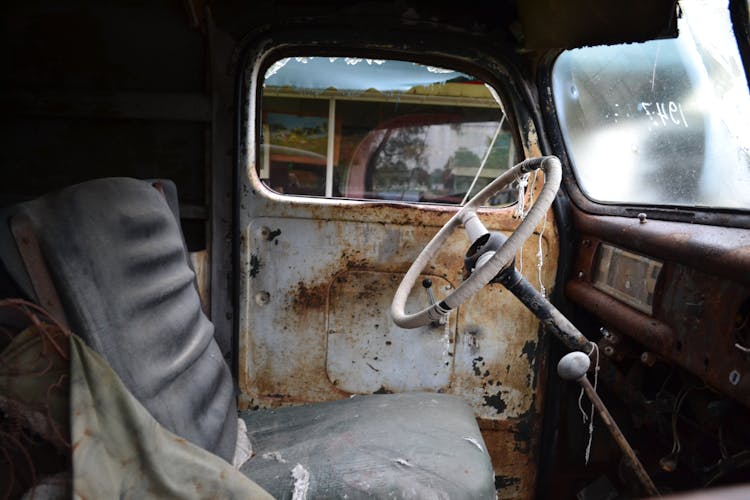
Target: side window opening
[{"x": 380, "y": 129}]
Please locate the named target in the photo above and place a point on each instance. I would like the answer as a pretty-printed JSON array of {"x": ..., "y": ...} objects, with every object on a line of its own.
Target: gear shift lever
[{"x": 573, "y": 366}]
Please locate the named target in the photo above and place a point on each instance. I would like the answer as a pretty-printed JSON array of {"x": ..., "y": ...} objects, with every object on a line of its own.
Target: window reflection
[{"x": 375, "y": 129}]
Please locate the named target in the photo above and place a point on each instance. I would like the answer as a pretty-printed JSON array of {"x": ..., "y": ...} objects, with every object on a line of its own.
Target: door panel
[{"x": 318, "y": 296}]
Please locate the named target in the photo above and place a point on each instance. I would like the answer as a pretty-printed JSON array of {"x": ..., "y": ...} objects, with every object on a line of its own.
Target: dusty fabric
[
  {"x": 120, "y": 451},
  {"x": 34, "y": 382}
]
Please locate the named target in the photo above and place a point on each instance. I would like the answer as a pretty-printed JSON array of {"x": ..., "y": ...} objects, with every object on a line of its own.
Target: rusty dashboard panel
[
  {"x": 627, "y": 276},
  {"x": 698, "y": 313}
]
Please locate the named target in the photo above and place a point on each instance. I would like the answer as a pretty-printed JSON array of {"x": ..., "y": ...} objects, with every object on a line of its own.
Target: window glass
[
  {"x": 665, "y": 122},
  {"x": 376, "y": 129}
]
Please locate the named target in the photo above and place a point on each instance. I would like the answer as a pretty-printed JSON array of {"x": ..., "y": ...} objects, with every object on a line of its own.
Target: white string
[
  {"x": 540, "y": 260},
  {"x": 521, "y": 212},
  {"x": 590, "y": 418},
  {"x": 484, "y": 161},
  {"x": 531, "y": 186},
  {"x": 523, "y": 181}
]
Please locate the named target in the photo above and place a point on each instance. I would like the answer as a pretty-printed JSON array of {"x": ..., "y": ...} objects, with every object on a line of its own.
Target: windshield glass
[{"x": 665, "y": 122}]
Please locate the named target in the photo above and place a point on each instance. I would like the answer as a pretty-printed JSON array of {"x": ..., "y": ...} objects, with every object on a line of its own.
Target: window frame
[{"x": 457, "y": 54}]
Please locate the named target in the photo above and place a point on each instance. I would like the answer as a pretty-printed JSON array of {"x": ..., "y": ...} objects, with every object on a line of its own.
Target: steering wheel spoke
[{"x": 488, "y": 267}]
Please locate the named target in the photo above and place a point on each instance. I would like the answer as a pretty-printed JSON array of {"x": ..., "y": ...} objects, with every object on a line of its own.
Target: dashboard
[{"x": 672, "y": 291}]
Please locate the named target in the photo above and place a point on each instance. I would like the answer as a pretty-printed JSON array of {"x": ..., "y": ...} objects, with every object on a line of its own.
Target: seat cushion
[
  {"x": 414, "y": 445},
  {"x": 117, "y": 259}
]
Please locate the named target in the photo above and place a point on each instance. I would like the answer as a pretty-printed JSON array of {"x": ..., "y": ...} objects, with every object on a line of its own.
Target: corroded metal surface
[
  {"x": 652, "y": 333},
  {"x": 287, "y": 349},
  {"x": 368, "y": 354},
  {"x": 723, "y": 251},
  {"x": 513, "y": 448},
  {"x": 695, "y": 314}
]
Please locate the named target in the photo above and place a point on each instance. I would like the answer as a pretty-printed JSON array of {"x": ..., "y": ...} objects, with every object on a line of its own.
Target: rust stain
[
  {"x": 514, "y": 463},
  {"x": 306, "y": 298},
  {"x": 723, "y": 251}
]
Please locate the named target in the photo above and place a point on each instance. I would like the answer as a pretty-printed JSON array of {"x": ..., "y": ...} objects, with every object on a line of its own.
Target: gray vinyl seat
[{"x": 114, "y": 257}]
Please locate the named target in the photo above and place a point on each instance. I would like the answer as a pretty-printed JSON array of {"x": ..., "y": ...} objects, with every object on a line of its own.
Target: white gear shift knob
[{"x": 573, "y": 365}]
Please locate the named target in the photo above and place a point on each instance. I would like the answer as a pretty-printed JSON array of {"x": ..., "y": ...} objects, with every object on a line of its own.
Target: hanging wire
[
  {"x": 590, "y": 418},
  {"x": 23, "y": 436},
  {"x": 484, "y": 161}
]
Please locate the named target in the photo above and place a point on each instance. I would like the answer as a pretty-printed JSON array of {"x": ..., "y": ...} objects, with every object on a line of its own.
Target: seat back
[{"x": 114, "y": 253}]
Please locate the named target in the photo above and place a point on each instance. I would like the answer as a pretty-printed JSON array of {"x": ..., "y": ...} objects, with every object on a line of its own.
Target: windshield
[{"x": 664, "y": 122}]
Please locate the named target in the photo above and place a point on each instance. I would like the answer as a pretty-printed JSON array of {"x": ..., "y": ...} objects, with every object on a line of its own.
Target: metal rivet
[
  {"x": 648, "y": 358},
  {"x": 609, "y": 350},
  {"x": 581, "y": 274},
  {"x": 642, "y": 218},
  {"x": 734, "y": 377},
  {"x": 264, "y": 232},
  {"x": 262, "y": 298}
]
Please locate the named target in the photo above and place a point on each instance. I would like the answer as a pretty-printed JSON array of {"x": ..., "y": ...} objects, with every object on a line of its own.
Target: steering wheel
[{"x": 489, "y": 265}]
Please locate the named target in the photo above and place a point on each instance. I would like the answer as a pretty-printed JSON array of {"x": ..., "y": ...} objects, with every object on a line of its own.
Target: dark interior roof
[{"x": 527, "y": 24}]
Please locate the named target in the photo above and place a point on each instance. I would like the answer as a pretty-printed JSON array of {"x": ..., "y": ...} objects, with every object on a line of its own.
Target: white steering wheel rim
[{"x": 480, "y": 277}]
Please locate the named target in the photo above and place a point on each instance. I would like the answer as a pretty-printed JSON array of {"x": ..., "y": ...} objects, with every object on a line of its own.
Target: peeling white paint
[
  {"x": 244, "y": 448},
  {"x": 274, "y": 455},
  {"x": 301, "y": 478}
]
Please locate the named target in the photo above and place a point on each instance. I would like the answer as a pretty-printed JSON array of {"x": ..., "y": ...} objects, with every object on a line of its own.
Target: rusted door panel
[
  {"x": 318, "y": 295},
  {"x": 316, "y": 284}
]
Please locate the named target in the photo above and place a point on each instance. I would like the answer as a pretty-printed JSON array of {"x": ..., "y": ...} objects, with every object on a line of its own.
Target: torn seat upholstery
[{"x": 111, "y": 253}]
